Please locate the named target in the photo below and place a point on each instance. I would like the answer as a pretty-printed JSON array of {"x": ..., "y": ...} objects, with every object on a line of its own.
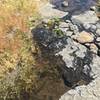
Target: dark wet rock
[
  {"x": 77, "y": 61},
  {"x": 75, "y": 57},
  {"x": 49, "y": 39}
]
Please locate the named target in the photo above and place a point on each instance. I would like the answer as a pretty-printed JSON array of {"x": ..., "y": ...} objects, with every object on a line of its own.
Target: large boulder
[{"x": 76, "y": 58}]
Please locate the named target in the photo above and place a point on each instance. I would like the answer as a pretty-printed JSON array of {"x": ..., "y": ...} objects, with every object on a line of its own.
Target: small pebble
[
  {"x": 93, "y": 48},
  {"x": 65, "y": 4},
  {"x": 69, "y": 33},
  {"x": 68, "y": 21},
  {"x": 63, "y": 25},
  {"x": 73, "y": 27},
  {"x": 86, "y": 26},
  {"x": 98, "y": 32},
  {"x": 98, "y": 25},
  {"x": 98, "y": 39},
  {"x": 64, "y": 30},
  {"x": 93, "y": 28},
  {"x": 76, "y": 30}
]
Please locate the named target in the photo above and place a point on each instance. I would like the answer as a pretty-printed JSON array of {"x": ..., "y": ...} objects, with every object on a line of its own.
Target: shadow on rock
[{"x": 73, "y": 7}]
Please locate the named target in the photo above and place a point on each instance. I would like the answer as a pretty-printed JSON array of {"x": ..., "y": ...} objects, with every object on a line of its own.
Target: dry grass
[
  {"x": 14, "y": 13},
  {"x": 15, "y": 16}
]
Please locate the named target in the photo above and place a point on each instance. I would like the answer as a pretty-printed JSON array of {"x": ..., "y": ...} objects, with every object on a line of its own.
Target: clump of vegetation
[
  {"x": 53, "y": 25},
  {"x": 15, "y": 16},
  {"x": 17, "y": 63},
  {"x": 21, "y": 73}
]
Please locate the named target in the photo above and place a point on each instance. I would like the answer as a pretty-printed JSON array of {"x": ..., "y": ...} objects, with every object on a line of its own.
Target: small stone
[
  {"x": 78, "y": 23},
  {"x": 98, "y": 32},
  {"x": 85, "y": 37},
  {"x": 70, "y": 26},
  {"x": 87, "y": 44},
  {"x": 93, "y": 48},
  {"x": 69, "y": 33},
  {"x": 65, "y": 4},
  {"x": 98, "y": 25},
  {"x": 86, "y": 26},
  {"x": 45, "y": 21},
  {"x": 64, "y": 30},
  {"x": 93, "y": 28},
  {"x": 73, "y": 27},
  {"x": 63, "y": 25},
  {"x": 98, "y": 46},
  {"x": 68, "y": 21},
  {"x": 98, "y": 39},
  {"x": 76, "y": 31},
  {"x": 74, "y": 37},
  {"x": 93, "y": 8}
]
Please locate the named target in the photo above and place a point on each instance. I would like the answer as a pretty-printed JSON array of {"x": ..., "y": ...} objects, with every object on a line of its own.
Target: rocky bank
[{"x": 75, "y": 44}]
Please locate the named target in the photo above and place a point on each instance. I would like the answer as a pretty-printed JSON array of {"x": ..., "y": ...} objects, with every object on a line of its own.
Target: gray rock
[
  {"x": 64, "y": 4},
  {"x": 93, "y": 8},
  {"x": 78, "y": 23},
  {"x": 89, "y": 92},
  {"x": 76, "y": 32},
  {"x": 85, "y": 18},
  {"x": 94, "y": 48},
  {"x": 98, "y": 32},
  {"x": 75, "y": 57},
  {"x": 64, "y": 30},
  {"x": 64, "y": 25},
  {"x": 93, "y": 28},
  {"x": 69, "y": 33},
  {"x": 95, "y": 66},
  {"x": 98, "y": 25},
  {"x": 86, "y": 26},
  {"x": 48, "y": 11},
  {"x": 67, "y": 21},
  {"x": 73, "y": 28},
  {"x": 98, "y": 39}
]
